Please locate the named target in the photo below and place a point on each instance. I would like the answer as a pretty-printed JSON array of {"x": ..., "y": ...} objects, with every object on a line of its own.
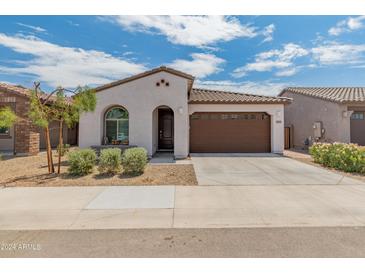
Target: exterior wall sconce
[
  {"x": 180, "y": 110},
  {"x": 347, "y": 113}
]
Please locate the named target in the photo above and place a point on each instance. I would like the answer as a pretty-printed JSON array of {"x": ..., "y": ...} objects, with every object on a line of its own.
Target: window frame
[
  {"x": 355, "y": 115},
  {"x": 117, "y": 120}
]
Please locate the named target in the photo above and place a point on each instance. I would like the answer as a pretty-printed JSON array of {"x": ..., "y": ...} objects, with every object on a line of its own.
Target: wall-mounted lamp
[
  {"x": 180, "y": 110},
  {"x": 347, "y": 113}
]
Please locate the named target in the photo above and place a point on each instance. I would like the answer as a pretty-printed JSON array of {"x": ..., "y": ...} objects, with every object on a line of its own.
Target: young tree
[
  {"x": 68, "y": 110},
  {"x": 56, "y": 106},
  {"x": 41, "y": 115}
]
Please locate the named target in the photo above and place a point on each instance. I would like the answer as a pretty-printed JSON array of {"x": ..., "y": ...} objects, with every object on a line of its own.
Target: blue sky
[{"x": 252, "y": 54}]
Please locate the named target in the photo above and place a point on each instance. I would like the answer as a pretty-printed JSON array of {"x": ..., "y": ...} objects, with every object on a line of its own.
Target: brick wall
[{"x": 26, "y": 134}]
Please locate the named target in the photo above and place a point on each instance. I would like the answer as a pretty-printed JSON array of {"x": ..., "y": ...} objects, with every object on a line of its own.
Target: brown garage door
[{"x": 230, "y": 132}]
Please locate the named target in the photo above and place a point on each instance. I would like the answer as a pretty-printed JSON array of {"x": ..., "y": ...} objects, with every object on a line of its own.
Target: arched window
[{"x": 117, "y": 126}]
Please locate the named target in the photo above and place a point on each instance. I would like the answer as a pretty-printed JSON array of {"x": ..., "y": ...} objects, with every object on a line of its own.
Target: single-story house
[
  {"x": 326, "y": 114},
  {"x": 24, "y": 138},
  {"x": 161, "y": 111}
]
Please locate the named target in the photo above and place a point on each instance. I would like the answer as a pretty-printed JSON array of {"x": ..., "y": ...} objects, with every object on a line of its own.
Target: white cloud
[
  {"x": 259, "y": 88},
  {"x": 268, "y": 33},
  {"x": 339, "y": 54},
  {"x": 348, "y": 25},
  {"x": 282, "y": 60},
  {"x": 189, "y": 30},
  {"x": 66, "y": 66},
  {"x": 35, "y": 28},
  {"x": 201, "y": 65},
  {"x": 287, "y": 72}
]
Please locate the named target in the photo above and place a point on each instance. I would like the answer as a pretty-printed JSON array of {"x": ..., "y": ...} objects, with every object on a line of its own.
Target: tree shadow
[
  {"x": 101, "y": 176},
  {"x": 129, "y": 176},
  {"x": 38, "y": 179}
]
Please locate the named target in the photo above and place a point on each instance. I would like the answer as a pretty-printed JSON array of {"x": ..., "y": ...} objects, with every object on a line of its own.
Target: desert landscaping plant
[
  {"x": 81, "y": 162},
  {"x": 110, "y": 160},
  {"x": 345, "y": 157},
  {"x": 57, "y": 106},
  {"x": 67, "y": 110},
  {"x": 7, "y": 117},
  {"x": 134, "y": 161}
]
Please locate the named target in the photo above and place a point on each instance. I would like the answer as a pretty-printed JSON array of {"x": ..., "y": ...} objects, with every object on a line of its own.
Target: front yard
[{"x": 32, "y": 171}]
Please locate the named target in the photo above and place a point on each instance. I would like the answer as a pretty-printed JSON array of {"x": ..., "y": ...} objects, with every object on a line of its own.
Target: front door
[{"x": 165, "y": 129}]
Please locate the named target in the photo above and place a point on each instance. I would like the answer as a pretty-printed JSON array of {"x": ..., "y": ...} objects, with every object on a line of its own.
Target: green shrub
[
  {"x": 345, "y": 157},
  {"x": 63, "y": 150},
  {"x": 134, "y": 161},
  {"x": 1, "y": 157},
  {"x": 81, "y": 161},
  {"x": 109, "y": 161}
]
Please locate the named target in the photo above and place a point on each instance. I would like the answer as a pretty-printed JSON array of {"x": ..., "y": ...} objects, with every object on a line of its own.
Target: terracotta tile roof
[
  {"x": 334, "y": 94},
  {"x": 19, "y": 90},
  {"x": 22, "y": 91},
  {"x": 147, "y": 73},
  {"x": 206, "y": 96}
]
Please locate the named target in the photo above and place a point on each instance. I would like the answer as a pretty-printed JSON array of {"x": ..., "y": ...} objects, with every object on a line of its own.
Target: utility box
[{"x": 318, "y": 130}]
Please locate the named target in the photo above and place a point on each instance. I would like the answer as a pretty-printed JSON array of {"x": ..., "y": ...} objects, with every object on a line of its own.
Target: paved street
[{"x": 239, "y": 242}]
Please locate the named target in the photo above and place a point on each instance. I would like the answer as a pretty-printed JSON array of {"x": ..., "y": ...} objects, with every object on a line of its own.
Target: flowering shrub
[{"x": 346, "y": 157}]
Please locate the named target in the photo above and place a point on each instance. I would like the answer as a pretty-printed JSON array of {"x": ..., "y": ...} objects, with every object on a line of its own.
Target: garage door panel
[{"x": 230, "y": 132}]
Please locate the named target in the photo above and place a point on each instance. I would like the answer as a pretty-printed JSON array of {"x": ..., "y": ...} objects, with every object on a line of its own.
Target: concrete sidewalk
[{"x": 182, "y": 207}]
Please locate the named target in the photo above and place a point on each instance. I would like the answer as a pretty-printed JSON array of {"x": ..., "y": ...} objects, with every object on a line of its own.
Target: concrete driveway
[{"x": 260, "y": 169}]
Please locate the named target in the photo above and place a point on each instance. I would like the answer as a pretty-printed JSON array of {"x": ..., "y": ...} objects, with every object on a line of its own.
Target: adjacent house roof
[
  {"x": 206, "y": 96},
  {"x": 25, "y": 92},
  {"x": 334, "y": 94},
  {"x": 147, "y": 73},
  {"x": 18, "y": 90}
]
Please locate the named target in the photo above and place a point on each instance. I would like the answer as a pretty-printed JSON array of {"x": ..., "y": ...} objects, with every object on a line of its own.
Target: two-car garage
[
  {"x": 231, "y": 122},
  {"x": 238, "y": 132}
]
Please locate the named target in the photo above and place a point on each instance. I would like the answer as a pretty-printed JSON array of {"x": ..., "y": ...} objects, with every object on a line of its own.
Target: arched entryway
[{"x": 163, "y": 129}]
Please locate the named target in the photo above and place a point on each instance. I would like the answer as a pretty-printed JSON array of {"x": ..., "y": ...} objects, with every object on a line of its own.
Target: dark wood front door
[{"x": 165, "y": 129}]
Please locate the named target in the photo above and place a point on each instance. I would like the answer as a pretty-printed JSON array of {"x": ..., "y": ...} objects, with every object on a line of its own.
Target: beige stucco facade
[
  {"x": 304, "y": 111},
  {"x": 140, "y": 98}
]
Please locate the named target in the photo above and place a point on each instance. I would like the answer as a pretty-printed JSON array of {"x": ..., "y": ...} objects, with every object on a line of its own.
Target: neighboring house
[
  {"x": 24, "y": 138},
  {"x": 161, "y": 111},
  {"x": 325, "y": 114}
]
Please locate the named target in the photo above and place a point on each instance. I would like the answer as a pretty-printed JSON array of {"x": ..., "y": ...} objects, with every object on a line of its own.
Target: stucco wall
[
  {"x": 305, "y": 110},
  {"x": 276, "y": 111},
  {"x": 140, "y": 97}
]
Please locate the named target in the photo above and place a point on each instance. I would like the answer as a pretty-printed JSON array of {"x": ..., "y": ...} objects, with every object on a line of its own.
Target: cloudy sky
[{"x": 252, "y": 54}]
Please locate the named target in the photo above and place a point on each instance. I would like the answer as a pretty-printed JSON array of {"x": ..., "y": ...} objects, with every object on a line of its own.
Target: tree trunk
[
  {"x": 48, "y": 158},
  {"x": 60, "y": 146},
  {"x": 49, "y": 151}
]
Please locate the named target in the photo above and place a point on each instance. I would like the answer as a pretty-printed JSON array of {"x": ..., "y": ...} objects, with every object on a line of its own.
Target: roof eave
[{"x": 189, "y": 77}]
